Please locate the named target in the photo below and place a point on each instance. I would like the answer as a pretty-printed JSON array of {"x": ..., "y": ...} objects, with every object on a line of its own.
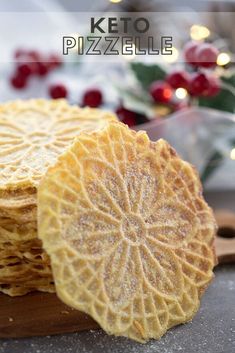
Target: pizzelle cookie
[
  {"x": 33, "y": 134},
  {"x": 128, "y": 232}
]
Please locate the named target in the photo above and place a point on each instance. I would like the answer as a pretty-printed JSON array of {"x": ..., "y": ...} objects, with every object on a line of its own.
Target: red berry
[
  {"x": 178, "y": 79},
  {"x": 92, "y": 98},
  {"x": 54, "y": 61},
  {"x": 25, "y": 69},
  {"x": 19, "y": 53},
  {"x": 190, "y": 52},
  {"x": 41, "y": 68},
  {"x": 58, "y": 91},
  {"x": 34, "y": 55},
  {"x": 126, "y": 116},
  {"x": 214, "y": 87},
  {"x": 161, "y": 91},
  {"x": 206, "y": 55},
  {"x": 18, "y": 81},
  {"x": 199, "y": 84}
]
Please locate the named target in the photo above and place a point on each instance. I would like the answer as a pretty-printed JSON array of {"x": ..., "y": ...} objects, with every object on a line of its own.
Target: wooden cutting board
[{"x": 42, "y": 314}]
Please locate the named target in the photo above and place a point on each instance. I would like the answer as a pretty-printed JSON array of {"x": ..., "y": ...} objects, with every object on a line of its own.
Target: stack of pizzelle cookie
[{"x": 32, "y": 135}]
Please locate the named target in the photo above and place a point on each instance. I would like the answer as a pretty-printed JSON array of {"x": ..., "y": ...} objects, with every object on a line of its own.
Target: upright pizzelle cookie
[
  {"x": 128, "y": 232},
  {"x": 34, "y": 132}
]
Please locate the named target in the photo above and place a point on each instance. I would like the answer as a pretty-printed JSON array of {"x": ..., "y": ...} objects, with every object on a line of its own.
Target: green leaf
[
  {"x": 146, "y": 74},
  {"x": 214, "y": 162},
  {"x": 232, "y": 142},
  {"x": 225, "y": 100},
  {"x": 137, "y": 102},
  {"x": 230, "y": 79}
]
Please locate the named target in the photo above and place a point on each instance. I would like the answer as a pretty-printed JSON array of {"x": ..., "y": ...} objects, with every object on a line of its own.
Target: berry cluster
[
  {"x": 198, "y": 80},
  {"x": 201, "y": 82},
  {"x": 32, "y": 63}
]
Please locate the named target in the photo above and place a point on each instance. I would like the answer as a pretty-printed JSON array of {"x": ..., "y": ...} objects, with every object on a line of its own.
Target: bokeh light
[
  {"x": 181, "y": 93},
  {"x": 198, "y": 32},
  {"x": 232, "y": 154},
  {"x": 223, "y": 59}
]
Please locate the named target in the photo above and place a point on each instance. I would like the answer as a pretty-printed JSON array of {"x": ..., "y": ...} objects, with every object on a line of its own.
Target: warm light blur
[
  {"x": 161, "y": 110},
  {"x": 223, "y": 59},
  {"x": 167, "y": 93},
  {"x": 115, "y": 1},
  {"x": 198, "y": 32},
  {"x": 129, "y": 57},
  {"x": 232, "y": 154},
  {"x": 181, "y": 93},
  {"x": 173, "y": 57}
]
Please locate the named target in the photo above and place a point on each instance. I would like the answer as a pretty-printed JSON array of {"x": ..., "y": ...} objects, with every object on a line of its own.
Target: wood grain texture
[
  {"x": 225, "y": 250},
  {"x": 38, "y": 314},
  {"x": 225, "y": 243},
  {"x": 41, "y": 314}
]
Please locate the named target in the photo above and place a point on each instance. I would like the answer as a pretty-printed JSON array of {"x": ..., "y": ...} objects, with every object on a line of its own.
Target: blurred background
[
  {"x": 123, "y": 5},
  {"x": 187, "y": 96}
]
